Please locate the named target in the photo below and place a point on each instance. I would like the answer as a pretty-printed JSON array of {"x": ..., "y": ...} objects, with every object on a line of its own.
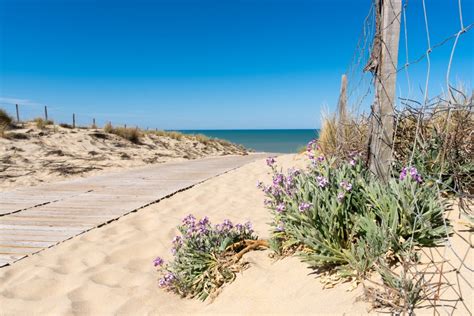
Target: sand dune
[{"x": 31, "y": 155}]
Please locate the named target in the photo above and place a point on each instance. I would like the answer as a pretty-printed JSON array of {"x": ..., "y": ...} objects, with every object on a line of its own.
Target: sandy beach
[{"x": 109, "y": 270}]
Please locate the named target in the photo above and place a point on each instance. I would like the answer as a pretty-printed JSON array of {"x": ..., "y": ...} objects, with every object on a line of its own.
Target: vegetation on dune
[
  {"x": 205, "y": 257},
  {"x": 42, "y": 123},
  {"x": 132, "y": 134},
  {"x": 5, "y": 122}
]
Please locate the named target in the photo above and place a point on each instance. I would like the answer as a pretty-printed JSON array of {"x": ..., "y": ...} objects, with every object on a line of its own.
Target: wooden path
[{"x": 32, "y": 219}]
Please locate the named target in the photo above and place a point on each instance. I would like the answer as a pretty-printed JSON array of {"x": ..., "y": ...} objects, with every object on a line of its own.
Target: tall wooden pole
[
  {"x": 73, "y": 120},
  {"x": 17, "y": 113},
  {"x": 45, "y": 113},
  {"x": 341, "y": 111},
  {"x": 385, "y": 63}
]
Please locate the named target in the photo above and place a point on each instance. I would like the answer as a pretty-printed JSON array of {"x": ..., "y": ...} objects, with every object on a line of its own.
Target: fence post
[
  {"x": 17, "y": 113},
  {"x": 384, "y": 66},
  {"x": 341, "y": 111},
  {"x": 73, "y": 120},
  {"x": 93, "y": 123},
  {"x": 45, "y": 113}
]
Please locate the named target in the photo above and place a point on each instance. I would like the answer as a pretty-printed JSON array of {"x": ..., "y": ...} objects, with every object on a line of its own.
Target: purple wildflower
[
  {"x": 227, "y": 225},
  {"x": 322, "y": 181},
  {"x": 248, "y": 226},
  {"x": 260, "y": 184},
  {"x": 278, "y": 179},
  {"x": 352, "y": 162},
  {"x": 280, "y": 228},
  {"x": 271, "y": 161},
  {"x": 189, "y": 220},
  {"x": 158, "y": 262},
  {"x": 167, "y": 280},
  {"x": 303, "y": 207},
  {"x": 320, "y": 158},
  {"x": 280, "y": 208},
  {"x": 413, "y": 173},
  {"x": 340, "y": 196},
  {"x": 346, "y": 186}
]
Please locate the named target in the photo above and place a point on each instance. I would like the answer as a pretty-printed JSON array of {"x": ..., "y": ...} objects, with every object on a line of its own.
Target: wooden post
[
  {"x": 341, "y": 111},
  {"x": 384, "y": 66},
  {"x": 73, "y": 120},
  {"x": 125, "y": 126},
  {"x": 45, "y": 113},
  {"x": 93, "y": 123},
  {"x": 17, "y": 113}
]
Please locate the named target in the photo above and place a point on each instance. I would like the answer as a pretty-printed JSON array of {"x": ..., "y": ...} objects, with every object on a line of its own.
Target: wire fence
[{"x": 436, "y": 126}]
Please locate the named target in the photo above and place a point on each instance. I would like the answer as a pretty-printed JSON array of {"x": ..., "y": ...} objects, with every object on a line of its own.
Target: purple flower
[
  {"x": 303, "y": 207},
  {"x": 280, "y": 208},
  {"x": 177, "y": 240},
  {"x": 248, "y": 226},
  {"x": 280, "y": 228},
  {"x": 167, "y": 280},
  {"x": 173, "y": 251},
  {"x": 413, "y": 174},
  {"x": 271, "y": 161},
  {"x": 340, "y": 196},
  {"x": 352, "y": 162},
  {"x": 227, "y": 225},
  {"x": 277, "y": 179},
  {"x": 158, "y": 262},
  {"x": 260, "y": 184},
  {"x": 267, "y": 202},
  {"x": 322, "y": 181},
  {"x": 346, "y": 185},
  {"x": 320, "y": 158},
  {"x": 189, "y": 220}
]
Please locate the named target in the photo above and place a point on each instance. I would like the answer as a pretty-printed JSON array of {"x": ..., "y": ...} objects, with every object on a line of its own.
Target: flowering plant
[
  {"x": 204, "y": 256},
  {"x": 337, "y": 214}
]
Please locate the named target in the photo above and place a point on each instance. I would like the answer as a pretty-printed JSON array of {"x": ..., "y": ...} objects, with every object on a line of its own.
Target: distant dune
[{"x": 30, "y": 155}]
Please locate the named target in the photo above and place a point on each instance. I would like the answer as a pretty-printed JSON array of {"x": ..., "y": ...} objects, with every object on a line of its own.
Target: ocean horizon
[{"x": 263, "y": 140}]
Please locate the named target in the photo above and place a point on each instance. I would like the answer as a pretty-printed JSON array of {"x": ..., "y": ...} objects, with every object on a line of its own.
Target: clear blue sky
[{"x": 200, "y": 64}]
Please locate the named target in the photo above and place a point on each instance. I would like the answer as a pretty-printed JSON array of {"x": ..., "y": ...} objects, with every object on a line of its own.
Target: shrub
[
  {"x": 205, "y": 257},
  {"x": 340, "y": 217},
  {"x": 65, "y": 125},
  {"x": 41, "y": 123},
  {"x": 132, "y": 134},
  {"x": 5, "y": 118}
]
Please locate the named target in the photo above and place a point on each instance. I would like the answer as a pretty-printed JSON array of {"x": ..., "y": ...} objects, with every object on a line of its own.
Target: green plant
[
  {"x": 205, "y": 257},
  {"x": 340, "y": 217},
  {"x": 5, "y": 118}
]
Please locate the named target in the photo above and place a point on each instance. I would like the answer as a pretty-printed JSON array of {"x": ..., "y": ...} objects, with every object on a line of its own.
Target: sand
[
  {"x": 30, "y": 155},
  {"x": 109, "y": 270}
]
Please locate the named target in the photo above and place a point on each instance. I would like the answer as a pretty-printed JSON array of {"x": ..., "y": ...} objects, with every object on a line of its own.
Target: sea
[{"x": 264, "y": 140}]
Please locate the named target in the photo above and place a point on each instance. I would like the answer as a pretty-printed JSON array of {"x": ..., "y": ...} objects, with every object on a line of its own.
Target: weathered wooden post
[
  {"x": 17, "y": 113},
  {"x": 93, "y": 123},
  {"x": 73, "y": 120},
  {"x": 45, "y": 113},
  {"x": 383, "y": 64},
  {"x": 341, "y": 111}
]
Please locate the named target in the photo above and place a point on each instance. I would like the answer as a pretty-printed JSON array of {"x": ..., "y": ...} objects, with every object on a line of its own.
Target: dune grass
[{"x": 5, "y": 122}]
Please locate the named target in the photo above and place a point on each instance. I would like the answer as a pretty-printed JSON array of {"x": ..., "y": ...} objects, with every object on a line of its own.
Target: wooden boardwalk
[{"x": 32, "y": 219}]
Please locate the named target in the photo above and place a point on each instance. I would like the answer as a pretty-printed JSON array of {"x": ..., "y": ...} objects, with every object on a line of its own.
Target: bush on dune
[
  {"x": 205, "y": 257},
  {"x": 5, "y": 122},
  {"x": 132, "y": 134}
]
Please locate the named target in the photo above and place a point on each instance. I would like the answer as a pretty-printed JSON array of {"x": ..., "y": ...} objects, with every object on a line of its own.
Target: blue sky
[{"x": 202, "y": 64}]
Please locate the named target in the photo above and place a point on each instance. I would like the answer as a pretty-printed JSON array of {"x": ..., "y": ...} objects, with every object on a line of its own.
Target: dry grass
[
  {"x": 132, "y": 134},
  {"x": 6, "y": 122},
  {"x": 343, "y": 137},
  {"x": 42, "y": 123}
]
